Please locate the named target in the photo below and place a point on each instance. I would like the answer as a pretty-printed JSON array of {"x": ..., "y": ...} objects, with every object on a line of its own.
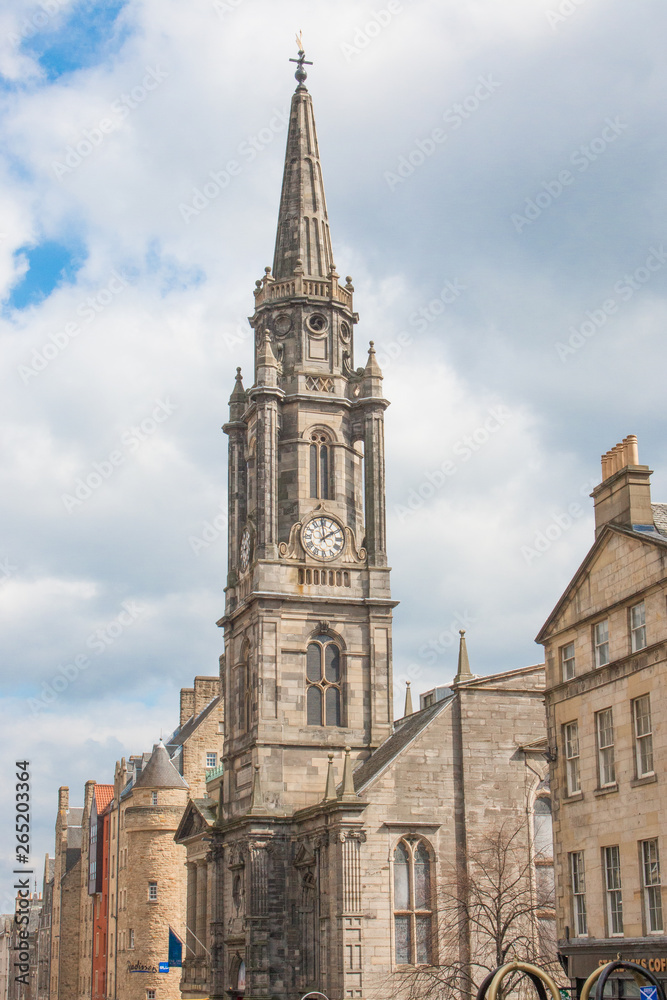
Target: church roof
[
  {"x": 159, "y": 772},
  {"x": 407, "y": 732},
  {"x": 303, "y": 223}
]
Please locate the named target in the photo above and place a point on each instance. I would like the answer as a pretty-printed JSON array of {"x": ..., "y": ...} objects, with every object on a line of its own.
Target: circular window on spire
[
  {"x": 316, "y": 323},
  {"x": 345, "y": 332},
  {"x": 282, "y": 324}
]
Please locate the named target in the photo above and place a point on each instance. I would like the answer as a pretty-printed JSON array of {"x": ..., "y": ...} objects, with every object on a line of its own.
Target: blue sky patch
[
  {"x": 50, "y": 264},
  {"x": 87, "y": 36}
]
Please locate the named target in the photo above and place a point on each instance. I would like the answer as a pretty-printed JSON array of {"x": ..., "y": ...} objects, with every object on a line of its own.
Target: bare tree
[{"x": 496, "y": 906}]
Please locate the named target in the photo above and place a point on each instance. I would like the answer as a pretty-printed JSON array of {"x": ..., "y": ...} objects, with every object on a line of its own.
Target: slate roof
[
  {"x": 660, "y": 517},
  {"x": 74, "y": 816},
  {"x": 401, "y": 738},
  {"x": 159, "y": 772},
  {"x": 184, "y": 732}
]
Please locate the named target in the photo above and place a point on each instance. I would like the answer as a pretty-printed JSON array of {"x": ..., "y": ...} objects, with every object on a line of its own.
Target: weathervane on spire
[{"x": 300, "y": 73}]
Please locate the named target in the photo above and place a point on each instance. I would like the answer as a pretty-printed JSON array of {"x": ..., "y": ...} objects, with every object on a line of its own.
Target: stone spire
[
  {"x": 303, "y": 224},
  {"x": 237, "y": 400},
  {"x": 408, "y": 700},
  {"x": 348, "y": 793},
  {"x": 463, "y": 673},
  {"x": 330, "y": 790}
]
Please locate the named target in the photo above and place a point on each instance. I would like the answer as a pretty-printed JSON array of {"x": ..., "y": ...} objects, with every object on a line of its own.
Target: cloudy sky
[{"x": 495, "y": 180}]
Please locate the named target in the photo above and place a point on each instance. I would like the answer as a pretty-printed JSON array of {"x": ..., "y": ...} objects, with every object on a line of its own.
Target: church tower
[{"x": 307, "y": 623}]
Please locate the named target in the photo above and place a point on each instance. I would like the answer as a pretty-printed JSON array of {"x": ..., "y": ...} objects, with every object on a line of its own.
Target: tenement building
[
  {"x": 320, "y": 857},
  {"x": 606, "y": 693}
]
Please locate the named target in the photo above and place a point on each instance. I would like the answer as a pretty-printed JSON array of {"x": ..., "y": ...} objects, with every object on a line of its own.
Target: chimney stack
[{"x": 624, "y": 495}]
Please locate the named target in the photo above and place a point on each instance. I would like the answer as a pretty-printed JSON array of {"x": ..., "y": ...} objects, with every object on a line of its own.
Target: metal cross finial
[{"x": 300, "y": 73}]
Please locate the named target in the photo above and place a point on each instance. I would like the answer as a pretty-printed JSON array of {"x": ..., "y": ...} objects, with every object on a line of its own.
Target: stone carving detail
[
  {"x": 352, "y": 842},
  {"x": 293, "y": 549},
  {"x": 259, "y": 880},
  {"x": 319, "y": 383}
]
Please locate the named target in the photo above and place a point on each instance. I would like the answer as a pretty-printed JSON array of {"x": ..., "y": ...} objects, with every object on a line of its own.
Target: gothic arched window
[
  {"x": 321, "y": 466},
  {"x": 323, "y": 677},
  {"x": 413, "y": 909},
  {"x": 543, "y": 853}
]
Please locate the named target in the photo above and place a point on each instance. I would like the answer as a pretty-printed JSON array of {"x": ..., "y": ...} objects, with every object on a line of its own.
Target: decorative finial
[
  {"x": 348, "y": 793},
  {"x": 330, "y": 790},
  {"x": 300, "y": 74},
  {"x": 463, "y": 672},
  {"x": 408, "y": 700}
]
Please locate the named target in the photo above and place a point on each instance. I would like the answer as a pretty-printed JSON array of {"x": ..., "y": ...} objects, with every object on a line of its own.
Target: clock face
[
  {"x": 244, "y": 554},
  {"x": 323, "y": 537}
]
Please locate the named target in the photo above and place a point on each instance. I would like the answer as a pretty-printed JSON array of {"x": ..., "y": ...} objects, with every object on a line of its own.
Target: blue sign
[
  {"x": 648, "y": 992},
  {"x": 163, "y": 967}
]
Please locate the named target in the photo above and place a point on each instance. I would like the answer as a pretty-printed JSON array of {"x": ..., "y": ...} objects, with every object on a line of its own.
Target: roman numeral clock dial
[{"x": 323, "y": 537}]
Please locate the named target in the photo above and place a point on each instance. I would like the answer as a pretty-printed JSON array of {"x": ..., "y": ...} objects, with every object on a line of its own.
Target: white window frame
[
  {"x": 601, "y": 643},
  {"x": 153, "y": 798},
  {"x": 571, "y": 743},
  {"x": 643, "y": 732},
  {"x": 604, "y": 735},
  {"x": 638, "y": 627},
  {"x": 567, "y": 661},
  {"x": 131, "y": 944},
  {"x": 613, "y": 889},
  {"x": 152, "y": 891},
  {"x": 652, "y": 886},
  {"x": 578, "y": 886},
  {"x": 213, "y": 754}
]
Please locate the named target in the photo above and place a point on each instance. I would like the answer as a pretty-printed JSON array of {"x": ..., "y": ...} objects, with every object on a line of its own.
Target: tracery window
[
  {"x": 321, "y": 466},
  {"x": 323, "y": 679},
  {"x": 413, "y": 910}
]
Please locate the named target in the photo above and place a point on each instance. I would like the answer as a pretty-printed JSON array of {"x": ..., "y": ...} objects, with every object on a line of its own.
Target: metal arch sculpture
[
  {"x": 539, "y": 978},
  {"x": 604, "y": 971},
  {"x": 486, "y": 982}
]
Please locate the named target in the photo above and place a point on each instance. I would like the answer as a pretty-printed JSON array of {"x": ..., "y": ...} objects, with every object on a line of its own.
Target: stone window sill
[
  {"x": 575, "y": 797},
  {"x": 607, "y": 790},
  {"x": 646, "y": 779}
]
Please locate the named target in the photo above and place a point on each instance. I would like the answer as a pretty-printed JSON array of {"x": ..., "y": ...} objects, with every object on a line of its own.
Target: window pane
[
  {"x": 314, "y": 706},
  {"x": 423, "y": 928},
  {"x": 422, "y": 879},
  {"x": 401, "y": 889},
  {"x": 324, "y": 472},
  {"x": 332, "y": 663},
  {"x": 402, "y": 939},
  {"x": 542, "y": 829},
  {"x": 314, "y": 663},
  {"x": 313, "y": 470},
  {"x": 567, "y": 661},
  {"x": 333, "y": 706}
]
